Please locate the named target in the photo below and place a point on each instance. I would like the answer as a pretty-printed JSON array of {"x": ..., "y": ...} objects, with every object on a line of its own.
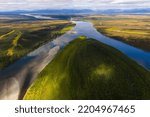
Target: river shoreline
[{"x": 19, "y": 76}]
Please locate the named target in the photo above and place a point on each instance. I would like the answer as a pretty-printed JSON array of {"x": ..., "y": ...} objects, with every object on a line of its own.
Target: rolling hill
[{"x": 88, "y": 69}]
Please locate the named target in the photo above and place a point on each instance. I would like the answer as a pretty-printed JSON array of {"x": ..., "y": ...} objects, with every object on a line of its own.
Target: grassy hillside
[
  {"x": 88, "y": 69},
  {"x": 21, "y": 37},
  {"x": 131, "y": 29}
]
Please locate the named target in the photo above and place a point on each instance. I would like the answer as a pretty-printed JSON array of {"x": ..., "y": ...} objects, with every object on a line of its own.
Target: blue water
[
  {"x": 81, "y": 28},
  {"x": 20, "y": 75},
  {"x": 140, "y": 56}
]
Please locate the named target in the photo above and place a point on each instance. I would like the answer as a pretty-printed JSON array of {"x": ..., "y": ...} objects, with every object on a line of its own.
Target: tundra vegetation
[
  {"x": 89, "y": 69},
  {"x": 132, "y": 29},
  {"x": 19, "y": 36}
]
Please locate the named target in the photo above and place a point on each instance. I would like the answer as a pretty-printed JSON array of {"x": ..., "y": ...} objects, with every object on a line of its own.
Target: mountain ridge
[{"x": 80, "y": 11}]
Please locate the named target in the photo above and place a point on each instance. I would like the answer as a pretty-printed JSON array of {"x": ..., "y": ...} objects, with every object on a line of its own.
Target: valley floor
[
  {"x": 131, "y": 29},
  {"x": 18, "y": 38}
]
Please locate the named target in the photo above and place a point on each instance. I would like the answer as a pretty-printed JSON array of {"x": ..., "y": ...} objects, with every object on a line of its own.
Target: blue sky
[{"x": 6, "y": 5}]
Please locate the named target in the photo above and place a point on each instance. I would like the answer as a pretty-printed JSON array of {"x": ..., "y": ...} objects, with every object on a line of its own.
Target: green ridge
[{"x": 88, "y": 69}]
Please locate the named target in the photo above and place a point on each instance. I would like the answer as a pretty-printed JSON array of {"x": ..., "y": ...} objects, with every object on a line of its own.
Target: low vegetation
[
  {"x": 88, "y": 69},
  {"x": 134, "y": 30},
  {"x": 21, "y": 37}
]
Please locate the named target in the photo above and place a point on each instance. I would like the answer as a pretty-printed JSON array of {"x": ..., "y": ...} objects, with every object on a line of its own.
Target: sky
[{"x": 9, "y": 5}]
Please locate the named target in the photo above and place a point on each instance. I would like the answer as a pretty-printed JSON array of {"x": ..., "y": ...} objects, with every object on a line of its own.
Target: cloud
[
  {"x": 130, "y": 1},
  {"x": 71, "y": 4}
]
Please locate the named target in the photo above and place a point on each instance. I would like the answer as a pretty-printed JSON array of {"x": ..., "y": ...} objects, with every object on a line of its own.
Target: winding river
[{"x": 15, "y": 79}]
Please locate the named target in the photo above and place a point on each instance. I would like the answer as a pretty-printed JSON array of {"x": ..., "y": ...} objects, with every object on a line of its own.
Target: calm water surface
[{"x": 15, "y": 80}]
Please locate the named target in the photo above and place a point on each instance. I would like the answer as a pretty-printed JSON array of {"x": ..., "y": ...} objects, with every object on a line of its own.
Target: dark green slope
[{"x": 88, "y": 69}]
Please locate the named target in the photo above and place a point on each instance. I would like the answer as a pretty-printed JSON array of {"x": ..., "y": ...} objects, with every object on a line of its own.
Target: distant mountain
[
  {"x": 80, "y": 11},
  {"x": 125, "y": 11},
  {"x": 65, "y": 11},
  {"x": 51, "y": 11}
]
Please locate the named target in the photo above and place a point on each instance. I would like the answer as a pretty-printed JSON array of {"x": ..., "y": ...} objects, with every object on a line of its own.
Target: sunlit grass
[
  {"x": 7, "y": 34},
  {"x": 14, "y": 44},
  {"x": 66, "y": 29},
  {"x": 82, "y": 37},
  {"x": 15, "y": 41},
  {"x": 103, "y": 70},
  {"x": 119, "y": 30}
]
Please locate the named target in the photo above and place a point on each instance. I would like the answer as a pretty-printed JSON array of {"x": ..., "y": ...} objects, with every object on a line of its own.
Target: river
[{"x": 15, "y": 79}]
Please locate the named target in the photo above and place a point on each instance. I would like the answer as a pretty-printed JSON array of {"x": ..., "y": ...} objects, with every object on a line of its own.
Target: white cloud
[
  {"x": 67, "y": 4},
  {"x": 130, "y": 1}
]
